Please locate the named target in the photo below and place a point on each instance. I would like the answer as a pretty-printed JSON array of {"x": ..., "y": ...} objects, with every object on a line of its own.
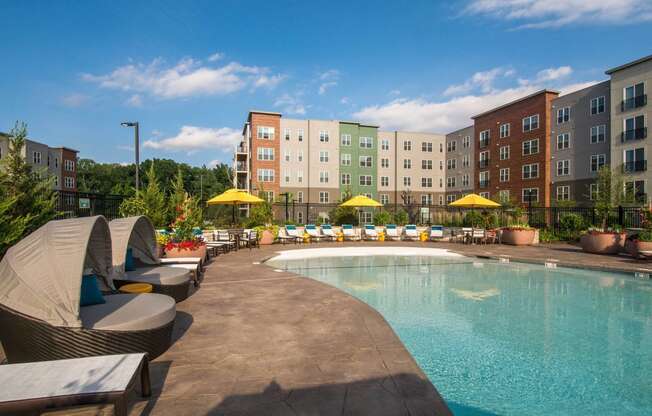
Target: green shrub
[
  {"x": 382, "y": 218},
  {"x": 571, "y": 222},
  {"x": 401, "y": 217},
  {"x": 473, "y": 219},
  {"x": 344, "y": 215}
]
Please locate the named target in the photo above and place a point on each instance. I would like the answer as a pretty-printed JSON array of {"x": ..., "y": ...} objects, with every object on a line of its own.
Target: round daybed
[
  {"x": 40, "y": 291},
  {"x": 138, "y": 234}
]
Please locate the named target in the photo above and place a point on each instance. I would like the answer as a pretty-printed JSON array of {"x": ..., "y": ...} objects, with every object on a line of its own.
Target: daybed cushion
[
  {"x": 158, "y": 275},
  {"x": 129, "y": 312},
  {"x": 90, "y": 291}
]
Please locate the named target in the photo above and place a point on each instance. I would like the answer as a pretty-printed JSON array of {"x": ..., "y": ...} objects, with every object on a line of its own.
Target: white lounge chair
[
  {"x": 349, "y": 232},
  {"x": 328, "y": 232},
  {"x": 291, "y": 234},
  {"x": 411, "y": 232},
  {"x": 313, "y": 232},
  {"x": 391, "y": 232},
  {"x": 370, "y": 232},
  {"x": 436, "y": 232}
]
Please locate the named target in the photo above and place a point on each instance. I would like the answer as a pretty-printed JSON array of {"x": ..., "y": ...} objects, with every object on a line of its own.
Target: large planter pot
[
  {"x": 266, "y": 238},
  {"x": 635, "y": 247},
  {"x": 518, "y": 237},
  {"x": 603, "y": 243},
  {"x": 199, "y": 252}
]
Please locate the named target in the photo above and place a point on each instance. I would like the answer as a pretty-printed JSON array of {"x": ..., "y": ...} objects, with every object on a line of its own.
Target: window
[
  {"x": 56, "y": 162},
  {"x": 265, "y": 133},
  {"x": 323, "y": 156},
  {"x": 465, "y": 161},
  {"x": 300, "y": 176},
  {"x": 441, "y": 165},
  {"x": 451, "y": 146},
  {"x": 426, "y": 164},
  {"x": 36, "y": 158},
  {"x": 366, "y": 142},
  {"x": 563, "y": 141},
  {"x": 300, "y": 156},
  {"x": 484, "y": 138},
  {"x": 265, "y": 153},
  {"x": 365, "y": 180},
  {"x": 563, "y": 167},
  {"x": 426, "y": 199},
  {"x": 323, "y": 197},
  {"x": 346, "y": 159},
  {"x": 634, "y": 128},
  {"x": 530, "y": 171},
  {"x": 441, "y": 182},
  {"x": 503, "y": 195},
  {"x": 323, "y": 177},
  {"x": 69, "y": 182},
  {"x": 451, "y": 164},
  {"x": 366, "y": 161},
  {"x": 384, "y": 162},
  {"x": 593, "y": 191},
  {"x": 634, "y": 160},
  {"x": 450, "y": 198},
  {"x": 323, "y": 136},
  {"x": 346, "y": 140},
  {"x": 407, "y": 145},
  {"x": 286, "y": 176},
  {"x": 504, "y": 175},
  {"x": 484, "y": 194},
  {"x": 597, "y": 105},
  {"x": 441, "y": 148},
  {"x": 384, "y": 181},
  {"x": 384, "y": 199},
  {"x": 598, "y": 161},
  {"x": 300, "y": 197},
  {"x": 450, "y": 182},
  {"x": 484, "y": 178},
  {"x": 504, "y": 152},
  {"x": 484, "y": 159},
  {"x": 530, "y": 195},
  {"x": 407, "y": 181},
  {"x": 635, "y": 190},
  {"x": 563, "y": 115},
  {"x": 633, "y": 96},
  {"x": 346, "y": 179},
  {"x": 563, "y": 193},
  {"x": 300, "y": 135},
  {"x": 287, "y": 156},
  {"x": 56, "y": 180},
  {"x": 287, "y": 133},
  {"x": 531, "y": 123},
  {"x": 531, "y": 147},
  {"x": 384, "y": 144},
  {"x": 426, "y": 147},
  {"x": 465, "y": 179},
  {"x": 366, "y": 217},
  {"x": 407, "y": 164},
  {"x": 265, "y": 175},
  {"x": 504, "y": 130},
  {"x": 68, "y": 165},
  {"x": 300, "y": 217},
  {"x": 466, "y": 141},
  {"x": 598, "y": 133},
  {"x": 426, "y": 182}
]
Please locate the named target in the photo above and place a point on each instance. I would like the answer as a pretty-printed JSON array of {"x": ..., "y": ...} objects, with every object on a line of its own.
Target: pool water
[{"x": 510, "y": 339}]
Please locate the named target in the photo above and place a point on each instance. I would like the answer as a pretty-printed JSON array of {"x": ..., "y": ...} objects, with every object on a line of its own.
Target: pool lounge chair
[
  {"x": 391, "y": 232},
  {"x": 291, "y": 235},
  {"x": 328, "y": 232},
  {"x": 436, "y": 232},
  {"x": 41, "y": 317},
  {"x": 313, "y": 232},
  {"x": 410, "y": 232},
  {"x": 349, "y": 233},
  {"x": 370, "y": 232}
]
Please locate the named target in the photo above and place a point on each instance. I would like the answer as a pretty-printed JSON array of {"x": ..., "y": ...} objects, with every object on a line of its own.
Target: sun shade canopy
[
  {"x": 361, "y": 201},
  {"x": 233, "y": 197},
  {"x": 41, "y": 275},
  {"x": 474, "y": 201},
  {"x": 136, "y": 233}
]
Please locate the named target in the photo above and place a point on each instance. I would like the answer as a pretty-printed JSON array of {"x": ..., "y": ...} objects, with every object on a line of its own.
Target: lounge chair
[
  {"x": 370, "y": 232},
  {"x": 41, "y": 317},
  {"x": 291, "y": 235},
  {"x": 410, "y": 232},
  {"x": 328, "y": 232},
  {"x": 466, "y": 235},
  {"x": 349, "y": 232},
  {"x": 478, "y": 235},
  {"x": 436, "y": 232},
  {"x": 313, "y": 232},
  {"x": 391, "y": 232},
  {"x": 136, "y": 234},
  {"x": 249, "y": 239}
]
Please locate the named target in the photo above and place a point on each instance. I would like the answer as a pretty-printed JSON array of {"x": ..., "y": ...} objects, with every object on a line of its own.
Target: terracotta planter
[
  {"x": 603, "y": 243},
  {"x": 634, "y": 247},
  {"x": 517, "y": 237},
  {"x": 198, "y": 252},
  {"x": 266, "y": 238}
]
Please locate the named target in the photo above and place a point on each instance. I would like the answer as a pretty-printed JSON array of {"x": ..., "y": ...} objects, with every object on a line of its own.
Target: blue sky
[{"x": 190, "y": 71}]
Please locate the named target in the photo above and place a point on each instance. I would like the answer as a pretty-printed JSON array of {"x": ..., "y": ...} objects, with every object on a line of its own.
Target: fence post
[{"x": 621, "y": 215}]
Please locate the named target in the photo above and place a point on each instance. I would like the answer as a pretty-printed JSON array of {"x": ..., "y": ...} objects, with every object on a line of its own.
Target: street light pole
[{"x": 136, "y": 148}]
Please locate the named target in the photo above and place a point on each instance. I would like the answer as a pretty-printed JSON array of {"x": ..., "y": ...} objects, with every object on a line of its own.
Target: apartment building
[
  {"x": 630, "y": 117},
  {"x": 460, "y": 168},
  {"x": 512, "y": 149},
  {"x": 358, "y": 159},
  {"x": 60, "y": 163},
  {"x": 580, "y": 142}
]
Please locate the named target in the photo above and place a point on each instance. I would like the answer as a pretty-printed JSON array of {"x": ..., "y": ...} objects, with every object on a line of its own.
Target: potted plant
[
  {"x": 266, "y": 234},
  {"x": 640, "y": 243},
  {"x": 519, "y": 234},
  {"x": 183, "y": 242}
]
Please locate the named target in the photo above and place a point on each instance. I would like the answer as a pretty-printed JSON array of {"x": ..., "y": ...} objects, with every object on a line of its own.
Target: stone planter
[
  {"x": 634, "y": 247},
  {"x": 603, "y": 243},
  {"x": 266, "y": 238},
  {"x": 199, "y": 252},
  {"x": 517, "y": 237}
]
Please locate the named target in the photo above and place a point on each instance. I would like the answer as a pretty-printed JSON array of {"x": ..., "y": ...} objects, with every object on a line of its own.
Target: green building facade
[{"x": 358, "y": 158}]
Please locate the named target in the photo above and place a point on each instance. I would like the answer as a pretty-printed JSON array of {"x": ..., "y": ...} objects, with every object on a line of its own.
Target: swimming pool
[{"x": 513, "y": 338}]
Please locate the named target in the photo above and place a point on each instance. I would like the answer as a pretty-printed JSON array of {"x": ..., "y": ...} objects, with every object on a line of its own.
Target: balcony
[
  {"x": 241, "y": 167},
  {"x": 635, "y": 166},
  {"x": 484, "y": 184},
  {"x": 484, "y": 143},
  {"x": 634, "y": 134},
  {"x": 483, "y": 163},
  {"x": 634, "y": 102},
  {"x": 242, "y": 148}
]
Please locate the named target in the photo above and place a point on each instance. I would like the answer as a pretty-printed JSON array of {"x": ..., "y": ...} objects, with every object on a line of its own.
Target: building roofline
[
  {"x": 358, "y": 123},
  {"x": 66, "y": 148},
  {"x": 272, "y": 113},
  {"x": 534, "y": 94},
  {"x": 628, "y": 64}
]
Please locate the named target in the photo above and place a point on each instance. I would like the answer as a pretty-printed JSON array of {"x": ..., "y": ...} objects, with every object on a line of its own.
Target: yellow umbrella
[
  {"x": 361, "y": 201},
  {"x": 234, "y": 197},
  {"x": 474, "y": 201}
]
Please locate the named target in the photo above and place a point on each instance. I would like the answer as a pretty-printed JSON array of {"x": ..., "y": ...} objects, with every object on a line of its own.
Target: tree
[
  {"x": 610, "y": 194},
  {"x": 344, "y": 215},
  {"x": 150, "y": 201},
  {"x": 178, "y": 195},
  {"x": 27, "y": 200}
]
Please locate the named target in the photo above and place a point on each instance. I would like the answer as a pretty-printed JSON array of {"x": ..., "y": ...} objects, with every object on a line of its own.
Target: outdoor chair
[
  {"x": 478, "y": 235},
  {"x": 491, "y": 237},
  {"x": 328, "y": 232},
  {"x": 313, "y": 232},
  {"x": 410, "y": 232},
  {"x": 349, "y": 233},
  {"x": 250, "y": 238},
  {"x": 41, "y": 312},
  {"x": 391, "y": 232},
  {"x": 135, "y": 260},
  {"x": 291, "y": 235},
  {"x": 370, "y": 232},
  {"x": 436, "y": 232},
  {"x": 467, "y": 235}
]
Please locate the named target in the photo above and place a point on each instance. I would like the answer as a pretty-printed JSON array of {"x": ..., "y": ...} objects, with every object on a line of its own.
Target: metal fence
[{"x": 82, "y": 204}]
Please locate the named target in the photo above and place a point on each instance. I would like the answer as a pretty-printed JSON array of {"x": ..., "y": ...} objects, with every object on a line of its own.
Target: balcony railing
[
  {"x": 241, "y": 167},
  {"x": 634, "y": 134},
  {"x": 634, "y": 102},
  {"x": 483, "y": 163},
  {"x": 484, "y": 143},
  {"x": 484, "y": 184},
  {"x": 241, "y": 148},
  {"x": 635, "y": 166}
]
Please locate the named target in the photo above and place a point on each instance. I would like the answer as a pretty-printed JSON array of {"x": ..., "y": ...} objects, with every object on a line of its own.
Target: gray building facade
[{"x": 459, "y": 164}]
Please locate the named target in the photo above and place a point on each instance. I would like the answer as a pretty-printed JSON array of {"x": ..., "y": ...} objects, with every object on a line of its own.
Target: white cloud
[
  {"x": 394, "y": 92},
  {"x": 215, "y": 57},
  {"x": 345, "y": 100},
  {"x": 135, "y": 100},
  {"x": 549, "y": 75},
  {"x": 187, "y": 78},
  {"x": 484, "y": 81},
  {"x": 328, "y": 80},
  {"x": 291, "y": 104},
  {"x": 536, "y": 14},
  {"x": 326, "y": 85},
  {"x": 74, "y": 100},
  {"x": 213, "y": 163},
  {"x": 191, "y": 139}
]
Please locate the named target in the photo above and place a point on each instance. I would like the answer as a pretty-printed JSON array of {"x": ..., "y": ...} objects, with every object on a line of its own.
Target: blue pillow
[
  {"x": 129, "y": 261},
  {"x": 90, "y": 291}
]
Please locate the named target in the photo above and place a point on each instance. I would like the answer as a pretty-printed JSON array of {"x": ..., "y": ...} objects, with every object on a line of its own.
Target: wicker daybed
[
  {"x": 138, "y": 234},
  {"x": 40, "y": 291}
]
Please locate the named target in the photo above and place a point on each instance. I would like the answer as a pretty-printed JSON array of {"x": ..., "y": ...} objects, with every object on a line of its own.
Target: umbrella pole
[{"x": 233, "y": 214}]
